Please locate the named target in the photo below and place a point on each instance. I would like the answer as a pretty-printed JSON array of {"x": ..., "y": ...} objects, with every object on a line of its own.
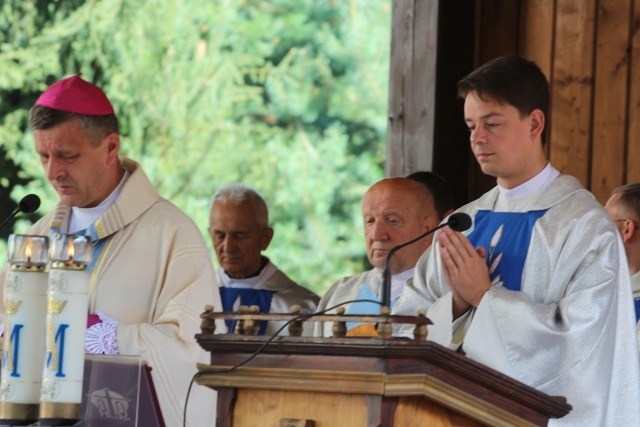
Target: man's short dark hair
[
  {"x": 439, "y": 188},
  {"x": 510, "y": 80},
  {"x": 97, "y": 127}
]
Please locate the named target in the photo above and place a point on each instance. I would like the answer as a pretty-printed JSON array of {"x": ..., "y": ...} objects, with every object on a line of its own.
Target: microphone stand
[
  {"x": 386, "y": 273},
  {"x": 16, "y": 212},
  {"x": 458, "y": 221},
  {"x": 28, "y": 204}
]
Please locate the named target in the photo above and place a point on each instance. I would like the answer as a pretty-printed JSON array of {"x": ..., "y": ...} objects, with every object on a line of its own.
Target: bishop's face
[{"x": 80, "y": 169}]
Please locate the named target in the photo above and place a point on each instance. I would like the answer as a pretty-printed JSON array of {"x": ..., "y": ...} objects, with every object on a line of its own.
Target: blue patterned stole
[
  {"x": 246, "y": 296},
  {"x": 506, "y": 237}
]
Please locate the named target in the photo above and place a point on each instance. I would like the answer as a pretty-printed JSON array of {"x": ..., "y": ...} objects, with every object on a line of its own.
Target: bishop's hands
[{"x": 465, "y": 270}]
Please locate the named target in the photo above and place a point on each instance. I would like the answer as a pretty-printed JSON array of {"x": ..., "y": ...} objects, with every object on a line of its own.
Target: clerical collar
[
  {"x": 82, "y": 218},
  {"x": 397, "y": 282},
  {"x": 535, "y": 185},
  {"x": 255, "y": 282}
]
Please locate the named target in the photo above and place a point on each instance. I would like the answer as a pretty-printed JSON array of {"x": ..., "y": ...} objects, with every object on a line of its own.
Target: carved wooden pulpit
[{"x": 327, "y": 382}]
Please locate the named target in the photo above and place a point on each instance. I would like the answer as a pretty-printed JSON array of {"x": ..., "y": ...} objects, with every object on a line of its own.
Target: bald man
[{"x": 395, "y": 211}]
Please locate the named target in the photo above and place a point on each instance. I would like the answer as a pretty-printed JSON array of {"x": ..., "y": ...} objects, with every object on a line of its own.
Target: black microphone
[
  {"x": 29, "y": 203},
  {"x": 458, "y": 221}
]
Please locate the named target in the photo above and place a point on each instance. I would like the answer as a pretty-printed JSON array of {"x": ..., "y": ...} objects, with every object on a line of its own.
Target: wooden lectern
[{"x": 328, "y": 382}]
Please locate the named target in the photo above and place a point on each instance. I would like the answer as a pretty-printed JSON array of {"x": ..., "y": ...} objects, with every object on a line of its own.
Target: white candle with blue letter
[
  {"x": 67, "y": 302},
  {"x": 25, "y": 291}
]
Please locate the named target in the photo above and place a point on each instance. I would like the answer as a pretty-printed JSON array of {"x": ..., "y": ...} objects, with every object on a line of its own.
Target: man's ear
[
  {"x": 629, "y": 230},
  {"x": 537, "y": 123},
  {"x": 430, "y": 222},
  {"x": 266, "y": 238},
  {"x": 113, "y": 145}
]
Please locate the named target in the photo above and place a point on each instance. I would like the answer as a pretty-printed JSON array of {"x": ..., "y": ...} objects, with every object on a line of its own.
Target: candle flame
[
  {"x": 71, "y": 251},
  {"x": 27, "y": 250}
]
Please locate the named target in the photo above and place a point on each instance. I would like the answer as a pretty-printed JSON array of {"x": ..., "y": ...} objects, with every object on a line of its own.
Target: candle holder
[
  {"x": 67, "y": 304},
  {"x": 25, "y": 291}
]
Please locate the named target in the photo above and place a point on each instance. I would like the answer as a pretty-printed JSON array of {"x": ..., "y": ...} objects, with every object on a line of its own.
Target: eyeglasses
[{"x": 635, "y": 227}]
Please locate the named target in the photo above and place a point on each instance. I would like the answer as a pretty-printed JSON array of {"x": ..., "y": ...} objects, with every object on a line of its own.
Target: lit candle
[
  {"x": 67, "y": 305},
  {"x": 25, "y": 291}
]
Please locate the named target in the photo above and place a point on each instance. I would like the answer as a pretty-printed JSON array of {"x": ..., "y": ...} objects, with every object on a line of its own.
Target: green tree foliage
[
  {"x": 288, "y": 96},
  {"x": 11, "y": 175}
]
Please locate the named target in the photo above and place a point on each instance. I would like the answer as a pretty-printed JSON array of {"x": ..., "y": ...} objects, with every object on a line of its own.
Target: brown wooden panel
[
  {"x": 267, "y": 407},
  {"x": 571, "y": 98},
  {"x": 536, "y": 32},
  {"x": 420, "y": 412},
  {"x": 498, "y": 32},
  {"x": 610, "y": 106},
  {"x": 409, "y": 368},
  {"x": 497, "y": 36},
  {"x": 537, "y": 19},
  {"x": 633, "y": 145},
  {"x": 226, "y": 402}
]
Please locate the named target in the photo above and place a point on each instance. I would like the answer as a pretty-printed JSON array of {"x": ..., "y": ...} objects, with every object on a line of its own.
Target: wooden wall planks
[
  {"x": 610, "y": 97},
  {"x": 633, "y": 134},
  {"x": 572, "y": 81},
  {"x": 589, "y": 50},
  {"x": 412, "y": 87}
]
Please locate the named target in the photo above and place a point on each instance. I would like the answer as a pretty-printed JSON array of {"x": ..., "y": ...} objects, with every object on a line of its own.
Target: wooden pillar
[
  {"x": 412, "y": 83},
  {"x": 432, "y": 47}
]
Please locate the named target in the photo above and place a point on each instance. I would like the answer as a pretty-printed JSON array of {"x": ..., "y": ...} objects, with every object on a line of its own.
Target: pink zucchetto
[{"x": 76, "y": 96}]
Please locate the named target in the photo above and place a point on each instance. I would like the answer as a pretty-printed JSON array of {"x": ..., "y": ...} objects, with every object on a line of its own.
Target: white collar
[
  {"x": 255, "y": 282},
  {"x": 535, "y": 185},
  {"x": 82, "y": 218}
]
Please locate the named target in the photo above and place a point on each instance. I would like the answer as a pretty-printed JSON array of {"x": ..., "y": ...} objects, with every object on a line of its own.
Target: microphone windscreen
[
  {"x": 459, "y": 221},
  {"x": 29, "y": 203}
]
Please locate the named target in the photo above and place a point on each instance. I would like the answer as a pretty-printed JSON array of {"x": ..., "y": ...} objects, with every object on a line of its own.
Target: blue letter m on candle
[
  {"x": 13, "y": 352},
  {"x": 55, "y": 358}
]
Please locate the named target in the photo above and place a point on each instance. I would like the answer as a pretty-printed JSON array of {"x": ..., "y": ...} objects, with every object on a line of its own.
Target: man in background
[
  {"x": 150, "y": 274},
  {"x": 394, "y": 211},
  {"x": 440, "y": 189},
  {"x": 239, "y": 230},
  {"x": 624, "y": 209}
]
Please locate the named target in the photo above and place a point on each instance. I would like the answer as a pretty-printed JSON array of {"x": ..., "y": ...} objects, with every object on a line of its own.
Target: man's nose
[
  {"x": 54, "y": 169},
  {"x": 478, "y": 135},
  {"x": 229, "y": 244},
  {"x": 379, "y": 231}
]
